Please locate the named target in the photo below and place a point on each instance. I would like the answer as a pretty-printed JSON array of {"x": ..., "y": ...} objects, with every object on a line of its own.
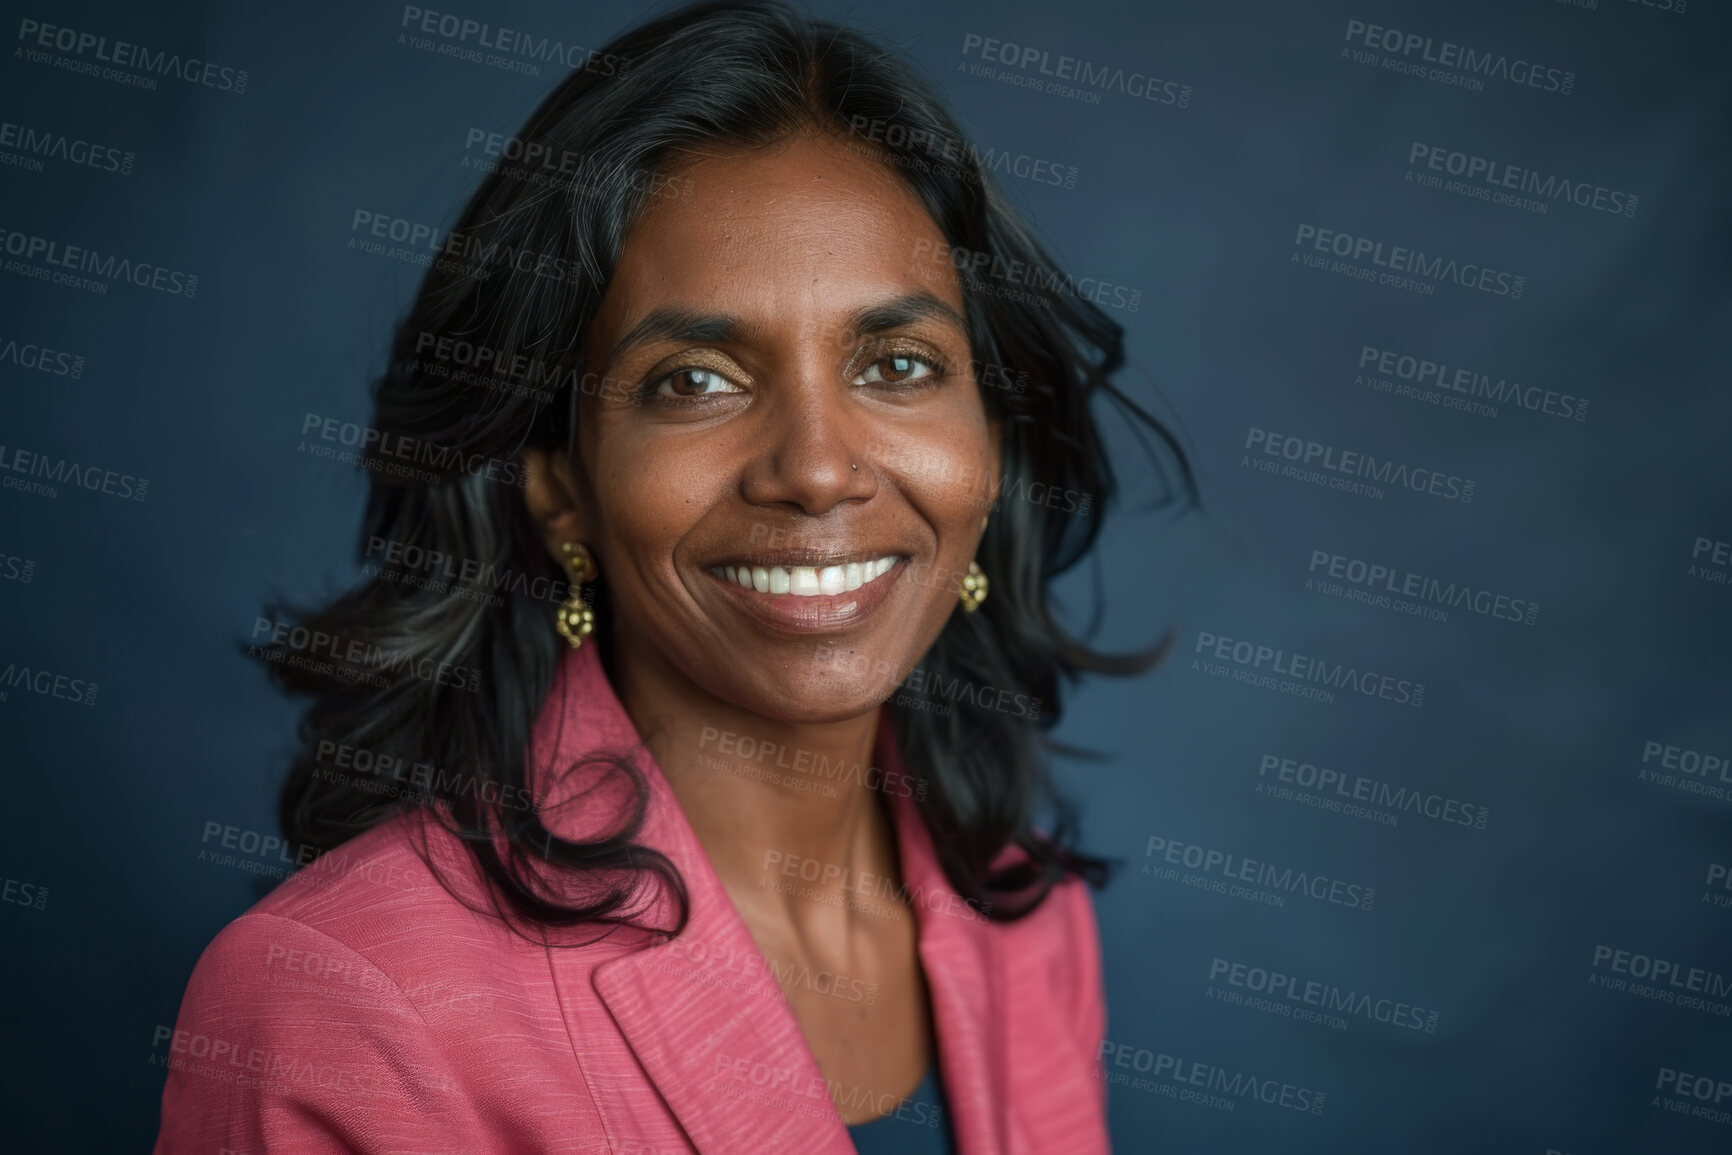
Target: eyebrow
[
  {"x": 677, "y": 323},
  {"x": 901, "y": 312}
]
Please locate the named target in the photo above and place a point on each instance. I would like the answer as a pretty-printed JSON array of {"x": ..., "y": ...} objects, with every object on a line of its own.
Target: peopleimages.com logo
[
  {"x": 512, "y": 49},
  {"x": 1205, "y": 1084},
  {"x": 1488, "y": 179},
  {"x": 1447, "y": 62},
  {"x": 1352, "y": 471},
  {"x": 1454, "y": 387},
  {"x": 1230, "y": 867},
  {"x": 1334, "y": 1002},
  {"x": 46, "y": 258},
  {"x": 34, "y": 145},
  {"x": 1303, "y": 676},
  {"x": 46, "y": 683},
  {"x": 126, "y": 62},
  {"x": 1025, "y": 65},
  {"x": 41, "y": 358},
  {"x": 57, "y": 471},
  {"x": 1404, "y": 266},
  {"x": 1389, "y": 586}
]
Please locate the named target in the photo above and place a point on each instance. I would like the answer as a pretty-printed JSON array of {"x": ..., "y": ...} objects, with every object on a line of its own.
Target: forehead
[{"x": 805, "y": 232}]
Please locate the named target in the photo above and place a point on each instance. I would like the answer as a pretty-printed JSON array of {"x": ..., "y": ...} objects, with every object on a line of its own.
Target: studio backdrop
[{"x": 1424, "y": 824}]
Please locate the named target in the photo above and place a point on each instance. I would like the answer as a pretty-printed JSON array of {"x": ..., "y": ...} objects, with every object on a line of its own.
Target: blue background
[{"x": 1198, "y": 208}]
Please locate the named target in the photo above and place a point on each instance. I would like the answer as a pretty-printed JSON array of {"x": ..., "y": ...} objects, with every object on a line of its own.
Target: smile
[{"x": 804, "y": 581}]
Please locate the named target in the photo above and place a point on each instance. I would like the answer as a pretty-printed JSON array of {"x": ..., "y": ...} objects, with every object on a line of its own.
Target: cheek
[
  {"x": 950, "y": 477},
  {"x": 649, "y": 492}
]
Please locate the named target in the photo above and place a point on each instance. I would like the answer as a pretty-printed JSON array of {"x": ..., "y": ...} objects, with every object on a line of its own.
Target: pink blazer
[{"x": 362, "y": 1007}]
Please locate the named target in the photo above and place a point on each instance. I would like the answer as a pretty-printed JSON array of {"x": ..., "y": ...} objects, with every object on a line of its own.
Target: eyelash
[
  {"x": 939, "y": 370},
  {"x": 649, "y": 391}
]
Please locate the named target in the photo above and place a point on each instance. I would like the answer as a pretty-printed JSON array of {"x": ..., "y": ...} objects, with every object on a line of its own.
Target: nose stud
[{"x": 854, "y": 467}]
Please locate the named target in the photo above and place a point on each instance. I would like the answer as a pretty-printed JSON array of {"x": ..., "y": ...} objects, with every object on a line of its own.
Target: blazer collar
[{"x": 702, "y": 1014}]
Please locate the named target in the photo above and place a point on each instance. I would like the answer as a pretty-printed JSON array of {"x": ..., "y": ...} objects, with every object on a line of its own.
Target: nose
[{"x": 813, "y": 449}]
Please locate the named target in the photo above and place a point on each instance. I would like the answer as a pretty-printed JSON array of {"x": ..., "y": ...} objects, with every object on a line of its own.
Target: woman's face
[{"x": 788, "y": 409}]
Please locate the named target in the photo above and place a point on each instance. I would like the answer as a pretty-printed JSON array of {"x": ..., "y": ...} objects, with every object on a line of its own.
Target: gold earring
[
  {"x": 974, "y": 588},
  {"x": 575, "y": 620}
]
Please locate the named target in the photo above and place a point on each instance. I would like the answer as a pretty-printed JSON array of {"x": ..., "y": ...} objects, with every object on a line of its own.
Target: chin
[{"x": 806, "y": 699}]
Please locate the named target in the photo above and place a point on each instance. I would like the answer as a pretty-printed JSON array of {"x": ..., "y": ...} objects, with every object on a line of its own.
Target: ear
[{"x": 556, "y": 499}]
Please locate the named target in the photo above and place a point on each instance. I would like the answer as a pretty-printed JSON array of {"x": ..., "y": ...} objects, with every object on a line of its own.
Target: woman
[{"x": 736, "y": 849}]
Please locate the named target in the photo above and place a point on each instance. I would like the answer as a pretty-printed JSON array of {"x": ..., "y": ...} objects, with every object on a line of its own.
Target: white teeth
[{"x": 807, "y": 581}]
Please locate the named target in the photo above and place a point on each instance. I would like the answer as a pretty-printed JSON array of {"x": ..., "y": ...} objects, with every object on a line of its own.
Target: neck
[{"x": 787, "y": 812}]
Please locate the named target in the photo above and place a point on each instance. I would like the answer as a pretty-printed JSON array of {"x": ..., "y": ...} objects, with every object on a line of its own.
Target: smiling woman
[{"x": 716, "y": 869}]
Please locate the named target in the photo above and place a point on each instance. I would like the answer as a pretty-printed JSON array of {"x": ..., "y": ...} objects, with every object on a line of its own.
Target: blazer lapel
[
  {"x": 965, "y": 976},
  {"x": 711, "y": 1029},
  {"x": 701, "y": 1013},
  {"x": 1008, "y": 1056}
]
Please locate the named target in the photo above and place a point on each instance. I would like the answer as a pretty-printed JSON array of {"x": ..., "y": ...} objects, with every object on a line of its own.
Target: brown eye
[
  {"x": 695, "y": 382},
  {"x": 894, "y": 370}
]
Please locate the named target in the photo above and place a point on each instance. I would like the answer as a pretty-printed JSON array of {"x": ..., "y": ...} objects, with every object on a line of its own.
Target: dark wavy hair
[{"x": 457, "y": 676}]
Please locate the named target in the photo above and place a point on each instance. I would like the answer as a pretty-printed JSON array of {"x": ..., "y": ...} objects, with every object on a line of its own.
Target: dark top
[{"x": 919, "y": 1125}]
